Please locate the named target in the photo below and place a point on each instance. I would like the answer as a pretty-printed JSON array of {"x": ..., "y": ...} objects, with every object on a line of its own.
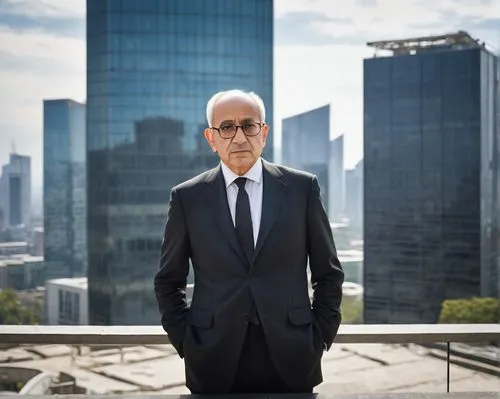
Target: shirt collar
[{"x": 254, "y": 173}]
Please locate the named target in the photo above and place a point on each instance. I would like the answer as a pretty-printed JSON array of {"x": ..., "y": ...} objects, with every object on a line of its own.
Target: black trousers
[{"x": 256, "y": 372}]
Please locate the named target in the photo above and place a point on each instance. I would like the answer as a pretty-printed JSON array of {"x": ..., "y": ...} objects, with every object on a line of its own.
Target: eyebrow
[{"x": 242, "y": 121}]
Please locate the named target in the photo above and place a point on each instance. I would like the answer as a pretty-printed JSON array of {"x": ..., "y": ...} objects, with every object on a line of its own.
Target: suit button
[{"x": 246, "y": 317}]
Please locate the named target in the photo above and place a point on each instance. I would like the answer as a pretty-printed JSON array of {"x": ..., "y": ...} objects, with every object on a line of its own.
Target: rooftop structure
[
  {"x": 75, "y": 282},
  {"x": 458, "y": 39}
]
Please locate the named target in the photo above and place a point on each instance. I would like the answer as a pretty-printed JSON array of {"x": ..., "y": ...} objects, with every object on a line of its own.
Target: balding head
[{"x": 235, "y": 94}]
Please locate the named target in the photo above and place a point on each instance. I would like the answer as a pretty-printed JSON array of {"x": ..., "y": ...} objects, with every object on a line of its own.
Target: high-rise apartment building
[
  {"x": 431, "y": 183},
  {"x": 151, "y": 67},
  {"x": 64, "y": 194}
]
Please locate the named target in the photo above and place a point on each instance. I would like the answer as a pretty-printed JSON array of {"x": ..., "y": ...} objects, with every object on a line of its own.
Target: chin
[{"x": 241, "y": 163}]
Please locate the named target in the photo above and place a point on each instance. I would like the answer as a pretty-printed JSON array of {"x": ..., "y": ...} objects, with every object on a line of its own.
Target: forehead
[{"x": 235, "y": 108}]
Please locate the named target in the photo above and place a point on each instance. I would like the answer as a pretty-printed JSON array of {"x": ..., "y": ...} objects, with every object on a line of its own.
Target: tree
[
  {"x": 12, "y": 311},
  {"x": 470, "y": 310}
]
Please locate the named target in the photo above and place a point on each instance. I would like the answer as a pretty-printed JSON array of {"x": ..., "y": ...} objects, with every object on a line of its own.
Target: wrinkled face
[{"x": 240, "y": 152}]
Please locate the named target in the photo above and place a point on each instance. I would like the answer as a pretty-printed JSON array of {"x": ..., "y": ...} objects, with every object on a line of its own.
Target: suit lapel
[
  {"x": 217, "y": 203},
  {"x": 272, "y": 198}
]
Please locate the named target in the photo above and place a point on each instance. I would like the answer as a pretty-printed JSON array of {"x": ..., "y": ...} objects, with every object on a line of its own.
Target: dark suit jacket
[{"x": 210, "y": 333}]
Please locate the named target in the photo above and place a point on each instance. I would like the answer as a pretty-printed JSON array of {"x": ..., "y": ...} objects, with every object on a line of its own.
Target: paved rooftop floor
[{"x": 347, "y": 369}]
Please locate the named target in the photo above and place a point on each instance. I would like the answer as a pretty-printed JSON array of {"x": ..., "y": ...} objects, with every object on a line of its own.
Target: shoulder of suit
[
  {"x": 292, "y": 172},
  {"x": 195, "y": 181}
]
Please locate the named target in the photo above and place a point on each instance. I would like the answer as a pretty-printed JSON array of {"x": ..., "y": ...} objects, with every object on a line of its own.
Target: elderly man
[{"x": 249, "y": 228}]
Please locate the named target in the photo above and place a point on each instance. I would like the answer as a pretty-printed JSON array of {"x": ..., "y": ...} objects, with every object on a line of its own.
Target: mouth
[{"x": 239, "y": 151}]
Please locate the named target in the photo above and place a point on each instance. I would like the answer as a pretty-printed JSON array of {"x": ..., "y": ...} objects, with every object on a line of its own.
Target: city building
[
  {"x": 21, "y": 272},
  {"x": 64, "y": 197},
  {"x": 354, "y": 196},
  {"x": 66, "y": 301},
  {"x": 336, "y": 179},
  {"x": 431, "y": 183},
  {"x": 36, "y": 244},
  {"x": 15, "y": 192},
  {"x": 352, "y": 264},
  {"x": 13, "y": 248},
  {"x": 151, "y": 68},
  {"x": 306, "y": 145}
]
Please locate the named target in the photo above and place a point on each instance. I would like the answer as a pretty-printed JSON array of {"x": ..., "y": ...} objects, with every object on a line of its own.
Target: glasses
[{"x": 229, "y": 130}]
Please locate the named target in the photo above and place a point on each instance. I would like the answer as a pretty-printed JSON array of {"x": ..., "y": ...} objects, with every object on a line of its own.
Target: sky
[{"x": 319, "y": 51}]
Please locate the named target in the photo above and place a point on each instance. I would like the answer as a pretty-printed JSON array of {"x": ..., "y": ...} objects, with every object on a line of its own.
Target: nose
[{"x": 239, "y": 137}]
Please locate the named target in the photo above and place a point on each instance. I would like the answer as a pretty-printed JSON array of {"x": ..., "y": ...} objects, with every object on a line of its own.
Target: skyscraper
[
  {"x": 64, "y": 194},
  {"x": 15, "y": 191},
  {"x": 354, "y": 196},
  {"x": 306, "y": 145},
  {"x": 336, "y": 179},
  {"x": 431, "y": 183},
  {"x": 151, "y": 67}
]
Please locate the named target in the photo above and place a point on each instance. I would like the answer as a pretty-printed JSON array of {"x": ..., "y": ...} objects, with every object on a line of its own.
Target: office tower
[
  {"x": 354, "y": 196},
  {"x": 306, "y": 145},
  {"x": 431, "y": 184},
  {"x": 15, "y": 191},
  {"x": 64, "y": 194},
  {"x": 151, "y": 68},
  {"x": 336, "y": 179}
]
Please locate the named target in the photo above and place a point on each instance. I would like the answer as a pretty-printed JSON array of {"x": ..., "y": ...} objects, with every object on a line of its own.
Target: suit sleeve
[
  {"x": 171, "y": 279},
  {"x": 327, "y": 275}
]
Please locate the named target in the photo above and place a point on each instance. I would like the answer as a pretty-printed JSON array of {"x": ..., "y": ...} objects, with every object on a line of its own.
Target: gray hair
[{"x": 213, "y": 100}]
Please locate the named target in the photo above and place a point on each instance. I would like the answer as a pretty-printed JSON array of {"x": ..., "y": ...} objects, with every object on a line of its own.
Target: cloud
[
  {"x": 21, "y": 16},
  {"x": 49, "y": 8},
  {"x": 308, "y": 28},
  {"x": 36, "y": 65},
  {"x": 367, "y": 3},
  {"x": 74, "y": 27}
]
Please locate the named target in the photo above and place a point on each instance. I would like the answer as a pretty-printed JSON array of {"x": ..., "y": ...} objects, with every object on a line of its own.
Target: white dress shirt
[{"x": 254, "y": 188}]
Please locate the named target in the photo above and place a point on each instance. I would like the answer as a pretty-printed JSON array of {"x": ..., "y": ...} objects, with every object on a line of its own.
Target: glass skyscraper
[
  {"x": 64, "y": 194},
  {"x": 336, "y": 179},
  {"x": 152, "y": 65},
  {"x": 306, "y": 145},
  {"x": 15, "y": 191},
  {"x": 354, "y": 196},
  {"x": 431, "y": 183}
]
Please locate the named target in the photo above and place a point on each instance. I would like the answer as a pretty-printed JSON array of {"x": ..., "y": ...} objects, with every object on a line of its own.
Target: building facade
[
  {"x": 354, "y": 196},
  {"x": 66, "y": 301},
  {"x": 431, "y": 187},
  {"x": 151, "y": 68},
  {"x": 306, "y": 145},
  {"x": 64, "y": 197},
  {"x": 15, "y": 191},
  {"x": 336, "y": 179}
]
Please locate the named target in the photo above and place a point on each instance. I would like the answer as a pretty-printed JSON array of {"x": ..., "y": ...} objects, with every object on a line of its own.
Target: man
[{"x": 249, "y": 228}]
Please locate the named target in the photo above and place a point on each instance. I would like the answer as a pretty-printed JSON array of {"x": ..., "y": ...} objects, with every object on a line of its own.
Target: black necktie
[{"x": 244, "y": 228}]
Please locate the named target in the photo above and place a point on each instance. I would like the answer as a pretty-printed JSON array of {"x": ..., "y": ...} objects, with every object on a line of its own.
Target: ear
[
  {"x": 264, "y": 132},
  {"x": 209, "y": 135}
]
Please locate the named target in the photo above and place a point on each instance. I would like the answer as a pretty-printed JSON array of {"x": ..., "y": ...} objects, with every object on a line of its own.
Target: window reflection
[{"x": 151, "y": 68}]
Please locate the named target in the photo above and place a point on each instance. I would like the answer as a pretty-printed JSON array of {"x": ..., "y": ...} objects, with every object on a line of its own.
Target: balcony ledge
[{"x": 154, "y": 335}]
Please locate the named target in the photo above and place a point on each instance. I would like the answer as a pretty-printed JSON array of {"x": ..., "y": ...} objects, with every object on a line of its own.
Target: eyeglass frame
[{"x": 261, "y": 125}]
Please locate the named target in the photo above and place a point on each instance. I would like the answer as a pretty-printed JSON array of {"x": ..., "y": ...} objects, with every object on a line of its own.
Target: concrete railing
[{"x": 348, "y": 334}]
